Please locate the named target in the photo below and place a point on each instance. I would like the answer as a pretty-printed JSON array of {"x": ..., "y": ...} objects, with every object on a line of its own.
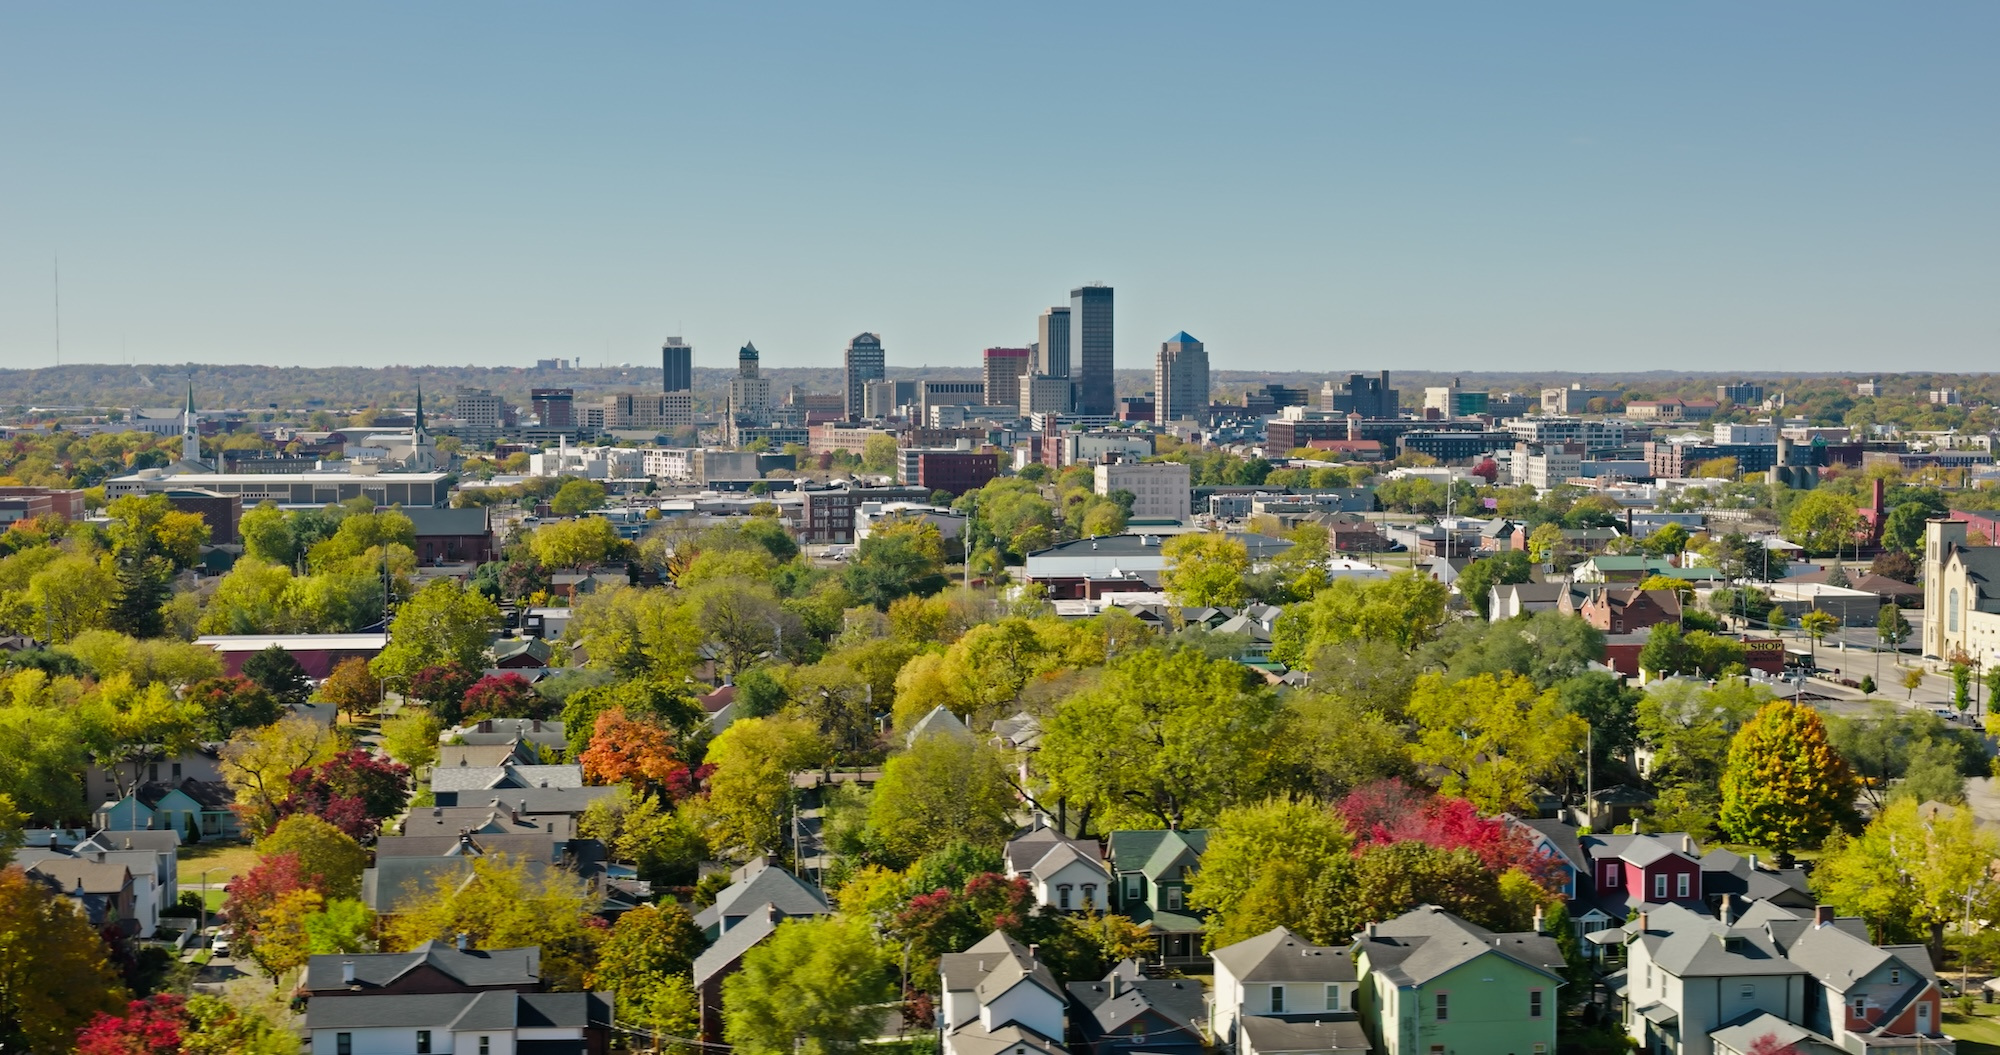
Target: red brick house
[{"x": 1629, "y": 610}]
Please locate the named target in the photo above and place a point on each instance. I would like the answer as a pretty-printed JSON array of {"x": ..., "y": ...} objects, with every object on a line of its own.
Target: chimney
[
  {"x": 1116, "y": 978},
  {"x": 347, "y": 972},
  {"x": 464, "y": 942},
  {"x": 1728, "y": 910},
  {"x": 1687, "y": 843},
  {"x": 1540, "y": 920},
  {"x": 1635, "y": 825},
  {"x": 1642, "y": 923},
  {"x": 1371, "y": 930},
  {"x": 1822, "y": 915},
  {"x": 1753, "y": 862},
  {"x": 1033, "y": 954},
  {"x": 771, "y": 913}
]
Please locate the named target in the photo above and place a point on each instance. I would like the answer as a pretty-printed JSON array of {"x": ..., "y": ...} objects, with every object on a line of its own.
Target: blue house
[{"x": 160, "y": 806}]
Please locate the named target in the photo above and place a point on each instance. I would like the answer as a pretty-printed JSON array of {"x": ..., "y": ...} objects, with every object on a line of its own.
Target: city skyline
[{"x": 1709, "y": 186}]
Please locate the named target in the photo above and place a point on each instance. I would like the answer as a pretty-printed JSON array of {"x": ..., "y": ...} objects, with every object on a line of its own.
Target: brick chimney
[
  {"x": 1822, "y": 915},
  {"x": 1728, "y": 909}
]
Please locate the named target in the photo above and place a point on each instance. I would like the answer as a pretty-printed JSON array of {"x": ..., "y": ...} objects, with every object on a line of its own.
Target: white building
[
  {"x": 999, "y": 1000},
  {"x": 594, "y": 463},
  {"x": 1545, "y": 465},
  {"x": 1091, "y": 447},
  {"x": 1067, "y": 874},
  {"x": 1279, "y": 977},
  {"x": 1160, "y": 490},
  {"x": 1762, "y": 432},
  {"x": 667, "y": 463}
]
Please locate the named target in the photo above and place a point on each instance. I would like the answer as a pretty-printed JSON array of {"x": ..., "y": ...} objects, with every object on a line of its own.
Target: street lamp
[{"x": 201, "y": 914}]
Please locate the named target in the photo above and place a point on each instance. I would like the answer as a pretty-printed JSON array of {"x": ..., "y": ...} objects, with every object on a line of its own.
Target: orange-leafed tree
[
  {"x": 626, "y": 750},
  {"x": 1785, "y": 787}
]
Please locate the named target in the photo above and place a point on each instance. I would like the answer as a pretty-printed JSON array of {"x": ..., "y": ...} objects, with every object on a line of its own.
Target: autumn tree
[
  {"x": 352, "y": 688},
  {"x": 814, "y": 987},
  {"x": 942, "y": 788},
  {"x": 640, "y": 753},
  {"x": 54, "y": 975},
  {"x": 1205, "y": 569},
  {"x": 329, "y": 860},
  {"x": 169, "y": 1024},
  {"x": 278, "y": 940},
  {"x": 506, "y": 695},
  {"x": 354, "y": 790},
  {"x": 444, "y": 623},
  {"x": 1910, "y": 872},
  {"x": 1785, "y": 787},
  {"x": 1493, "y": 738},
  {"x": 581, "y": 543},
  {"x": 647, "y": 958},
  {"x": 442, "y": 685},
  {"x": 258, "y": 764},
  {"x": 502, "y": 905}
]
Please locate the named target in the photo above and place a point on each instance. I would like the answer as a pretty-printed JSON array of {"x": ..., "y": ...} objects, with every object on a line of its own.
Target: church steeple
[
  {"x": 420, "y": 406},
  {"x": 190, "y": 429}
]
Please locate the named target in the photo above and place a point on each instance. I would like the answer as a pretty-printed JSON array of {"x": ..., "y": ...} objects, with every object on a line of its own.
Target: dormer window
[{"x": 1611, "y": 875}]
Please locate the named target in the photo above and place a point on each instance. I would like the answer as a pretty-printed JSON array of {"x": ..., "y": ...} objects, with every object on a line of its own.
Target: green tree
[
  {"x": 1785, "y": 787},
  {"x": 944, "y": 788},
  {"x": 279, "y": 674},
  {"x": 1823, "y": 522},
  {"x": 1913, "y": 679},
  {"x": 444, "y": 623},
  {"x": 1546, "y": 544},
  {"x": 1817, "y": 625},
  {"x": 1476, "y": 582},
  {"x": 1249, "y": 840},
  {"x": 323, "y": 850},
  {"x": 897, "y": 559},
  {"x": 1667, "y": 540},
  {"x": 651, "y": 948},
  {"x": 341, "y": 925},
  {"x": 1205, "y": 570},
  {"x": 878, "y": 453},
  {"x": 583, "y": 542},
  {"x": 1168, "y": 737},
  {"x": 576, "y": 496},
  {"x": 503, "y": 906},
  {"x": 267, "y": 535},
  {"x": 814, "y": 987},
  {"x": 1903, "y": 526},
  {"x": 1494, "y": 739},
  {"x": 1777, "y": 618},
  {"x": 754, "y": 760},
  {"x": 1891, "y": 629},
  {"x": 1911, "y": 872},
  {"x": 1405, "y": 610},
  {"x": 70, "y": 595},
  {"x": 411, "y": 737}
]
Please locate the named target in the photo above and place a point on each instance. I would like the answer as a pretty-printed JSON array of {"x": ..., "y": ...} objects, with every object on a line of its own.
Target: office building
[
  {"x": 864, "y": 364},
  {"x": 749, "y": 391},
  {"x": 1180, "y": 380},
  {"x": 955, "y": 471},
  {"x": 1455, "y": 402},
  {"x": 1370, "y": 397},
  {"x": 1004, "y": 369},
  {"x": 1576, "y": 399},
  {"x": 1052, "y": 343},
  {"x": 1160, "y": 490},
  {"x": 1042, "y": 394},
  {"x": 1740, "y": 394},
  {"x": 1761, "y": 432},
  {"x": 555, "y": 407},
  {"x": 649, "y": 410},
  {"x": 480, "y": 409},
  {"x": 676, "y": 366},
  {"x": 948, "y": 394},
  {"x": 1091, "y": 345},
  {"x": 1546, "y": 465},
  {"x": 886, "y": 399}
]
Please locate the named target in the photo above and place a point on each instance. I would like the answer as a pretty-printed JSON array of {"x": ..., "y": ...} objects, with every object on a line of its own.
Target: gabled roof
[
  {"x": 992, "y": 966},
  {"x": 939, "y": 720},
  {"x": 482, "y": 778},
  {"x": 1687, "y": 945},
  {"x": 473, "y": 968},
  {"x": 1558, "y": 835},
  {"x": 1125, "y": 995},
  {"x": 158, "y": 840},
  {"x": 758, "y": 923},
  {"x": 495, "y": 1011},
  {"x": 1279, "y": 955},
  {"x": 1275, "y": 1036},
  {"x": 1157, "y": 853},
  {"x": 1427, "y": 941},
  {"x": 71, "y": 875},
  {"x": 767, "y": 884}
]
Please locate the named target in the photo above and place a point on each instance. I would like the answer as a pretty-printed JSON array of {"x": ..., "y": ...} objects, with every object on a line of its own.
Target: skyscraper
[
  {"x": 749, "y": 391},
  {"x": 1090, "y": 343},
  {"x": 1180, "y": 379},
  {"x": 676, "y": 366},
  {"x": 864, "y": 364},
  {"x": 1052, "y": 344},
  {"x": 1004, "y": 370}
]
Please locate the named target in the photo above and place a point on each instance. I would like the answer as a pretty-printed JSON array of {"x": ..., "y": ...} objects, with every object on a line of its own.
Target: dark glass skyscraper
[
  {"x": 1090, "y": 346},
  {"x": 865, "y": 363},
  {"x": 676, "y": 366}
]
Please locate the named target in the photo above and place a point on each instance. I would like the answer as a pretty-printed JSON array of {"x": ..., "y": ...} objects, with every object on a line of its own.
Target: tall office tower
[
  {"x": 556, "y": 407},
  {"x": 1180, "y": 380},
  {"x": 1052, "y": 346},
  {"x": 1090, "y": 343},
  {"x": 676, "y": 366},
  {"x": 1004, "y": 369},
  {"x": 864, "y": 364},
  {"x": 749, "y": 393}
]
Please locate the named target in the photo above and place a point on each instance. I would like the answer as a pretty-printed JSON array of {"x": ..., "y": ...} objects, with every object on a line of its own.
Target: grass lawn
[
  {"x": 1978, "y": 1035},
  {"x": 222, "y": 861}
]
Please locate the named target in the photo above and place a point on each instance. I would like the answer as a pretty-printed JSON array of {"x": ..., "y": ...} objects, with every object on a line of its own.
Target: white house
[
  {"x": 1276, "y": 978},
  {"x": 494, "y": 1022},
  {"x": 1067, "y": 874},
  {"x": 999, "y": 1000}
]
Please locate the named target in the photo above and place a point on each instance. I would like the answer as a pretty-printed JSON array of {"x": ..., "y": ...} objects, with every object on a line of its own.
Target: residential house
[
  {"x": 1622, "y": 569},
  {"x": 1629, "y": 873},
  {"x": 1433, "y": 984},
  {"x": 486, "y": 1023},
  {"x": 757, "y": 884},
  {"x": 101, "y": 890},
  {"x": 724, "y": 957},
  {"x": 1510, "y": 600},
  {"x": 431, "y": 968},
  {"x": 520, "y": 813},
  {"x": 1560, "y": 842},
  {"x": 547, "y": 735},
  {"x": 939, "y": 721},
  {"x": 999, "y": 999},
  {"x": 1742, "y": 879},
  {"x": 1153, "y": 871},
  {"x": 111, "y": 783},
  {"x": 1067, "y": 874},
  {"x": 1019, "y": 736},
  {"x": 1500, "y": 535},
  {"x": 1628, "y": 610},
  {"x": 151, "y": 878},
  {"x": 1280, "y": 992},
  {"x": 191, "y": 805},
  {"x": 1692, "y": 982},
  {"x": 521, "y": 653},
  {"x": 1126, "y": 1013},
  {"x": 449, "y": 783},
  {"x": 487, "y": 756}
]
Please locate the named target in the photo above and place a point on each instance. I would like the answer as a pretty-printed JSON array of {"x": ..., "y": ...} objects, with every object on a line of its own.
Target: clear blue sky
[{"x": 1315, "y": 186}]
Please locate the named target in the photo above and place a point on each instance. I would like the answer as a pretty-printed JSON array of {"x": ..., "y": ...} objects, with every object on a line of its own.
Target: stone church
[{"x": 1961, "y": 595}]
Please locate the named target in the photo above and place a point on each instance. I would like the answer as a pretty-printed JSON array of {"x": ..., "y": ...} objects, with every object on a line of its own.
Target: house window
[
  {"x": 1134, "y": 888},
  {"x": 1861, "y": 1006},
  {"x": 1444, "y": 1007},
  {"x": 1660, "y": 887},
  {"x": 1333, "y": 998},
  {"x": 1895, "y": 976},
  {"x": 1277, "y": 999},
  {"x": 1534, "y": 1003},
  {"x": 1951, "y": 611},
  {"x": 485, "y": 1046},
  {"x": 343, "y": 1044},
  {"x": 1610, "y": 875},
  {"x": 1681, "y": 885},
  {"x": 152, "y": 771},
  {"x": 1089, "y": 895},
  {"x": 1748, "y": 992},
  {"x": 1173, "y": 899},
  {"x": 423, "y": 1042},
  {"x": 177, "y": 771},
  {"x": 1062, "y": 897}
]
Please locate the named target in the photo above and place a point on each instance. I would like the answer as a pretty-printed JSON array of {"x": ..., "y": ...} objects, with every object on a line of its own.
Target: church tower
[{"x": 190, "y": 430}]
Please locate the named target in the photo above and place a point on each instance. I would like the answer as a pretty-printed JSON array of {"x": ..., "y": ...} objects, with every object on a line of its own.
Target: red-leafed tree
[
  {"x": 148, "y": 1027},
  {"x": 502, "y": 696},
  {"x": 1388, "y": 812},
  {"x": 629, "y": 751},
  {"x": 1488, "y": 470},
  {"x": 443, "y": 686},
  {"x": 252, "y": 894},
  {"x": 354, "y": 790}
]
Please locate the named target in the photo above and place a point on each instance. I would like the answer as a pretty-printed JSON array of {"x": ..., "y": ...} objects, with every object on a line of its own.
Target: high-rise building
[
  {"x": 676, "y": 366},
  {"x": 1090, "y": 343},
  {"x": 1180, "y": 380},
  {"x": 1004, "y": 370},
  {"x": 749, "y": 391},
  {"x": 556, "y": 407},
  {"x": 1042, "y": 394},
  {"x": 1052, "y": 343},
  {"x": 885, "y": 399},
  {"x": 1369, "y": 397},
  {"x": 1742, "y": 394},
  {"x": 479, "y": 408},
  {"x": 864, "y": 364}
]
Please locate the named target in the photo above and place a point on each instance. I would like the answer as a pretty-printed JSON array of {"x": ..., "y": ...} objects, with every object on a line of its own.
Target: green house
[
  {"x": 1429, "y": 983},
  {"x": 1151, "y": 873}
]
